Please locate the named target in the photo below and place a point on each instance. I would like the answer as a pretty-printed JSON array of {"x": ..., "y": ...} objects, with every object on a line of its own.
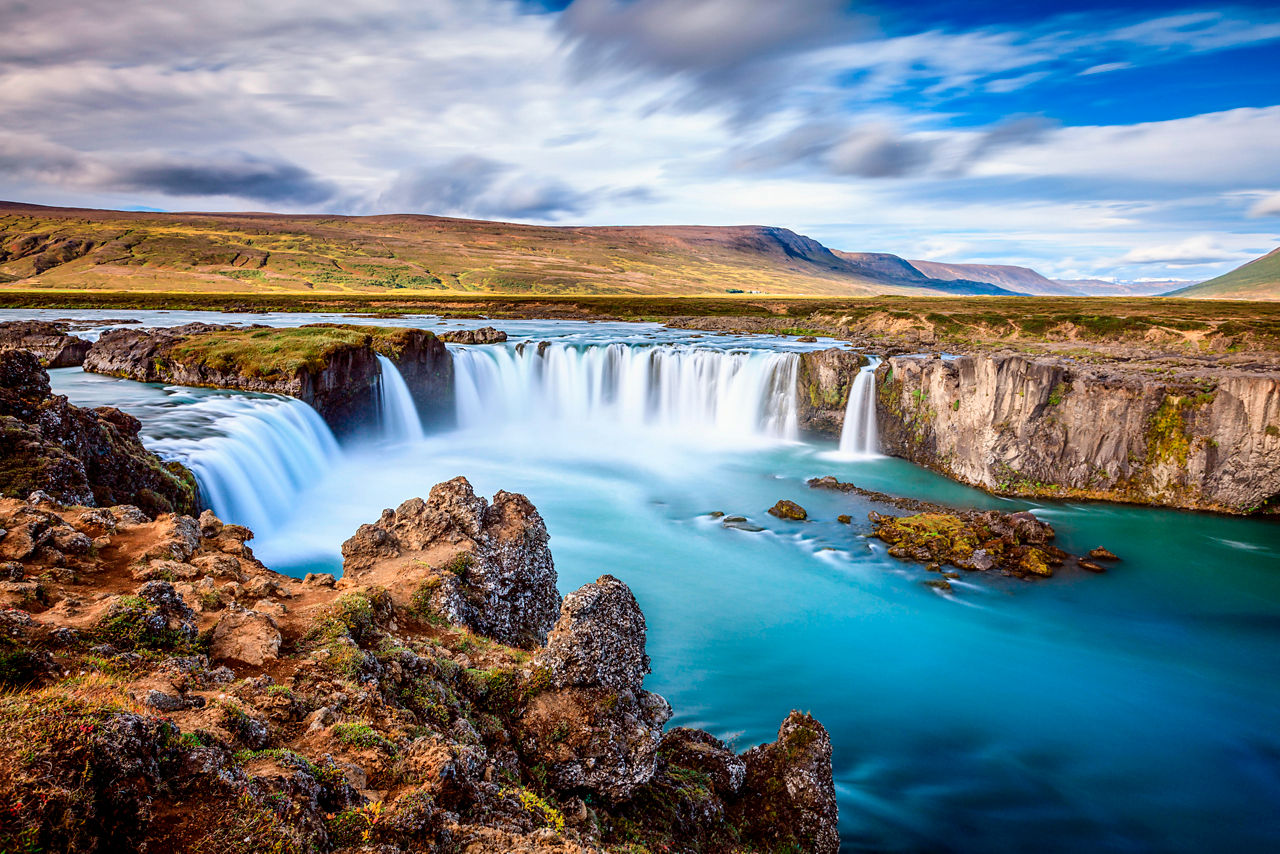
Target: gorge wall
[
  {"x": 333, "y": 368},
  {"x": 1048, "y": 427},
  {"x": 823, "y": 383}
]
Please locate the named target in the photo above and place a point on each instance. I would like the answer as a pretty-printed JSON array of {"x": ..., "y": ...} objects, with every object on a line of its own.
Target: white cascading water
[
  {"x": 262, "y": 454},
  {"x": 397, "y": 413},
  {"x": 858, "y": 436},
  {"x": 721, "y": 393}
]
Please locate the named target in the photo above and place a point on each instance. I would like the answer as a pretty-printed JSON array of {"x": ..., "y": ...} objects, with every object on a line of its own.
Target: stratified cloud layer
[{"x": 1127, "y": 142}]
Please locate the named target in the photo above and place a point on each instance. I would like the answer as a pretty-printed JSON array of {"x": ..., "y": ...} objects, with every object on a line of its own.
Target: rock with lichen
[{"x": 485, "y": 566}]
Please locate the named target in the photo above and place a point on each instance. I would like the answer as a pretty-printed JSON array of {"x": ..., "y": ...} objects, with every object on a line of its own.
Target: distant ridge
[
  {"x": 1021, "y": 279},
  {"x": 1259, "y": 279},
  {"x": 70, "y": 248}
]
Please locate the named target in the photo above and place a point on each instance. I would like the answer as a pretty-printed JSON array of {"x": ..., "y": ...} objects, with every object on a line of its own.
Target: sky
[{"x": 1120, "y": 140}]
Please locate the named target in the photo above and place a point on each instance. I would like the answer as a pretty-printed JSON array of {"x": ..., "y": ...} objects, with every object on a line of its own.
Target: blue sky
[{"x": 1090, "y": 139}]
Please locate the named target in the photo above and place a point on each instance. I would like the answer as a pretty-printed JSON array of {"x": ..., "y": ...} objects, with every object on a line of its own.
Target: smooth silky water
[{"x": 1133, "y": 711}]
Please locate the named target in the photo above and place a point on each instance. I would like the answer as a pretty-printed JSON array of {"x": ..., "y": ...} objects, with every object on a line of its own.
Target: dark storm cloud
[
  {"x": 244, "y": 177},
  {"x": 477, "y": 186},
  {"x": 864, "y": 152}
]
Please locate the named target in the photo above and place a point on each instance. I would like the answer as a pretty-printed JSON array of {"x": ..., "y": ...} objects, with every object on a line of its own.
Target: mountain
[
  {"x": 891, "y": 268},
  {"x": 67, "y": 248},
  {"x": 1259, "y": 279},
  {"x": 1021, "y": 279}
]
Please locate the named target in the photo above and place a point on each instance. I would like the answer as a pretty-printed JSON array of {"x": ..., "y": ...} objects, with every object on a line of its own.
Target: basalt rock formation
[
  {"x": 483, "y": 335},
  {"x": 1048, "y": 427},
  {"x": 823, "y": 383},
  {"x": 167, "y": 692},
  {"x": 332, "y": 367},
  {"x": 484, "y": 566},
  {"x": 84, "y": 456},
  {"x": 51, "y": 343}
]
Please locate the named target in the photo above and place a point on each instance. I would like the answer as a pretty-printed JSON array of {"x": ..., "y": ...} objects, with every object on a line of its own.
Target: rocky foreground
[{"x": 167, "y": 692}]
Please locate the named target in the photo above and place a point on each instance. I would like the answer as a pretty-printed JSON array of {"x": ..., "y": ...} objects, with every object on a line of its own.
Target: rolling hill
[
  {"x": 1259, "y": 279},
  {"x": 75, "y": 249}
]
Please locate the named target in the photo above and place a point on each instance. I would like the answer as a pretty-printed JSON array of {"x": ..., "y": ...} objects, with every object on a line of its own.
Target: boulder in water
[
  {"x": 785, "y": 509},
  {"x": 483, "y": 335}
]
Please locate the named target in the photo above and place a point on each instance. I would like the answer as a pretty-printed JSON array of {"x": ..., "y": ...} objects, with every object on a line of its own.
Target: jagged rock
[
  {"x": 500, "y": 578},
  {"x": 599, "y": 640},
  {"x": 483, "y": 335},
  {"x": 245, "y": 636},
  {"x": 785, "y": 509},
  {"x": 49, "y": 341},
  {"x": 789, "y": 797},
  {"x": 598, "y": 730},
  {"x": 589, "y": 738},
  {"x": 701, "y": 751},
  {"x": 1101, "y": 553},
  {"x": 78, "y": 456}
]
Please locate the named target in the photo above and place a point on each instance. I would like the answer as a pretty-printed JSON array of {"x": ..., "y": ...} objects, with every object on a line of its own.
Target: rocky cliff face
[
  {"x": 86, "y": 456},
  {"x": 823, "y": 383},
  {"x": 165, "y": 691},
  {"x": 51, "y": 343},
  {"x": 498, "y": 577},
  {"x": 337, "y": 375},
  {"x": 1048, "y": 427}
]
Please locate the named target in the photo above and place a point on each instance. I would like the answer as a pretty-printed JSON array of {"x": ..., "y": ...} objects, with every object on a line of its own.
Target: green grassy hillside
[
  {"x": 1259, "y": 279},
  {"x": 70, "y": 249}
]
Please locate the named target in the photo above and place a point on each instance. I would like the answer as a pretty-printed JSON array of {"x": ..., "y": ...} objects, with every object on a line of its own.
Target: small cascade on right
[{"x": 859, "y": 437}]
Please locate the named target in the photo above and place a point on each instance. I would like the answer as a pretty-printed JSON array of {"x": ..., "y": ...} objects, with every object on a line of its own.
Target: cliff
[
  {"x": 332, "y": 367},
  {"x": 823, "y": 383},
  {"x": 1054, "y": 428},
  {"x": 86, "y": 456},
  {"x": 167, "y": 692}
]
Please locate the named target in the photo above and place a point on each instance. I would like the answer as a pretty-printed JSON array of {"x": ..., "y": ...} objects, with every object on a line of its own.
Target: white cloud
[
  {"x": 1105, "y": 68},
  {"x": 1266, "y": 206},
  {"x": 1201, "y": 249}
]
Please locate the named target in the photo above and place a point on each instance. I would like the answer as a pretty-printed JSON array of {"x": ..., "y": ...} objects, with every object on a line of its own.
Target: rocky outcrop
[
  {"x": 594, "y": 665},
  {"x": 788, "y": 798},
  {"x": 481, "y": 565},
  {"x": 78, "y": 456},
  {"x": 1048, "y": 427},
  {"x": 483, "y": 335},
  {"x": 50, "y": 341},
  {"x": 332, "y": 367},
  {"x": 1014, "y": 543},
  {"x": 366, "y": 723},
  {"x": 823, "y": 383}
]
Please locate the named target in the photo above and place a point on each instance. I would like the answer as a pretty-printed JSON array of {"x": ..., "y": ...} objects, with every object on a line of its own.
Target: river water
[{"x": 1133, "y": 711}]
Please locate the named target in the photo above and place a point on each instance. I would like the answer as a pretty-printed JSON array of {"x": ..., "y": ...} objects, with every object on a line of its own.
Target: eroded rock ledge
[
  {"x": 83, "y": 456},
  {"x": 332, "y": 367},
  {"x": 168, "y": 692},
  {"x": 1047, "y": 427}
]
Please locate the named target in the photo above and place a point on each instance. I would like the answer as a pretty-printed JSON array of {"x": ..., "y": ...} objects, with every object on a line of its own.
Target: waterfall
[
  {"x": 252, "y": 456},
  {"x": 859, "y": 433},
  {"x": 676, "y": 387},
  {"x": 397, "y": 413}
]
